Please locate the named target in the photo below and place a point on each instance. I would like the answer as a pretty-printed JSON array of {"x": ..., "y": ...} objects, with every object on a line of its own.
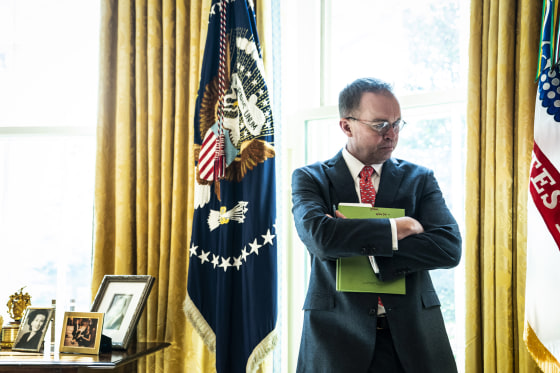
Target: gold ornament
[{"x": 17, "y": 304}]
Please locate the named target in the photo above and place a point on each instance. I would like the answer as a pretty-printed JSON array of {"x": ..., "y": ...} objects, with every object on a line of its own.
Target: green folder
[{"x": 355, "y": 274}]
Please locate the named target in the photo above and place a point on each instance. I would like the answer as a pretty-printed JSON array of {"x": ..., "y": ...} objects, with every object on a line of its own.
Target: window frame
[
  {"x": 303, "y": 99},
  {"x": 24, "y": 55}
]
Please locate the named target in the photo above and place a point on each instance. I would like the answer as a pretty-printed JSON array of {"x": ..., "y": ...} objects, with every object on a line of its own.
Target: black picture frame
[{"x": 122, "y": 299}]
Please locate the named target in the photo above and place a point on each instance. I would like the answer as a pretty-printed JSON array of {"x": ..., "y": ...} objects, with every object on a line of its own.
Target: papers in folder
[{"x": 355, "y": 274}]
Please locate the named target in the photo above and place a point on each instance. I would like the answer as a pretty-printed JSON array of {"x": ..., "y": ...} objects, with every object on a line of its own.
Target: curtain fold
[
  {"x": 503, "y": 53},
  {"x": 150, "y": 58}
]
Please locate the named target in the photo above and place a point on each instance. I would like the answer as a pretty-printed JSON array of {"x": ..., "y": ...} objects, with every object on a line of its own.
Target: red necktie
[
  {"x": 367, "y": 194},
  {"x": 367, "y": 191}
]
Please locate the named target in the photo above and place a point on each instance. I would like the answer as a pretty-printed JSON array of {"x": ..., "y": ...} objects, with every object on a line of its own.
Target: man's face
[{"x": 364, "y": 143}]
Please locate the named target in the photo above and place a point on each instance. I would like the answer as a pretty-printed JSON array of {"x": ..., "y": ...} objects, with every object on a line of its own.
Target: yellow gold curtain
[
  {"x": 151, "y": 55},
  {"x": 503, "y": 52},
  {"x": 151, "y": 52}
]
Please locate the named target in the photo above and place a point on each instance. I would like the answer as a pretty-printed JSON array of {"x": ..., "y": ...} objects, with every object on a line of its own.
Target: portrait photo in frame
[
  {"x": 33, "y": 328},
  {"x": 81, "y": 332},
  {"x": 122, "y": 300}
]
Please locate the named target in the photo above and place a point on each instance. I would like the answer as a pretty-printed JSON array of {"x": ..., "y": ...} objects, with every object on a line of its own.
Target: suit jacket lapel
[
  {"x": 345, "y": 190},
  {"x": 341, "y": 180},
  {"x": 391, "y": 176}
]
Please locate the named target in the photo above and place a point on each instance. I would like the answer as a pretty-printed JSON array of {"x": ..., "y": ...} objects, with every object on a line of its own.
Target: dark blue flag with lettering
[{"x": 232, "y": 284}]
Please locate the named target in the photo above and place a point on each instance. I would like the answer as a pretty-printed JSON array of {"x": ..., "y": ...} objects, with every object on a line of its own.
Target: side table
[{"x": 116, "y": 360}]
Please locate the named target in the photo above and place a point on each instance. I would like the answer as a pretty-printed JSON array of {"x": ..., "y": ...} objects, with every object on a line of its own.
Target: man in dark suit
[{"x": 367, "y": 332}]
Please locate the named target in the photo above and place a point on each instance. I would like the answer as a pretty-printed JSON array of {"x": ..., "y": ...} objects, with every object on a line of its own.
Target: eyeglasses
[{"x": 381, "y": 127}]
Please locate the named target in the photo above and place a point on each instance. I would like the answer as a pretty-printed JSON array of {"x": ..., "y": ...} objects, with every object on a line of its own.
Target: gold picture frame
[
  {"x": 32, "y": 330},
  {"x": 122, "y": 299},
  {"x": 81, "y": 332}
]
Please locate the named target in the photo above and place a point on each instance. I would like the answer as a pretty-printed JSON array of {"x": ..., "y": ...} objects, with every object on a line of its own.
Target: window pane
[
  {"x": 438, "y": 142},
  {"x": 48, "y": 62},
  {"x": 49, "y": 59},
  {"x": 324, "y": 138},
  {"x": 46, "y": 214},
  {"x": 413, "y": 44}
]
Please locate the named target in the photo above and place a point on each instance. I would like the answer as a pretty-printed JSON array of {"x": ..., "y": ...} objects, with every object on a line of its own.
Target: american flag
[{"x": 542, "y": 294}]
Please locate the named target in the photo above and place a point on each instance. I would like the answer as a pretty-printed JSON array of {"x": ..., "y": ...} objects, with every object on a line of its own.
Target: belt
[{"x": 382, "y": 323}]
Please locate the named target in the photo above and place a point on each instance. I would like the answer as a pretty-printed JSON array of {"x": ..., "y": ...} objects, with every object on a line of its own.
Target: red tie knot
[{"x": 366, "y": 173}]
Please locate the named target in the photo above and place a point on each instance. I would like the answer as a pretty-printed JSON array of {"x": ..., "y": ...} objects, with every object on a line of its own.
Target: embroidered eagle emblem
[{"x": 247, "y": 115}]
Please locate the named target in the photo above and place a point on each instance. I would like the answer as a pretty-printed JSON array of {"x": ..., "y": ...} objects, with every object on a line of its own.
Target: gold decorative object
[{"x": 17, "y": 305}]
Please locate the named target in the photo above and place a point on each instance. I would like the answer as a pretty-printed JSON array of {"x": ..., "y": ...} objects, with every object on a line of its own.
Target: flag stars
[
  {"x": 193, "y": 249},
  {"x": 237, "y": 262},
  {"x": 225, "y": 263},
  {"x": 215, "y": 260},
  {"x": 204, "y": 256},
  {"x": 244, "y": 253},
  {"x": 268, "y": 237},
  {"x": 255, "y": 247}
]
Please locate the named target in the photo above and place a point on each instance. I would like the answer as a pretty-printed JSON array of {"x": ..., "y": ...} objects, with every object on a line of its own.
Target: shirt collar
[{"x": 355, "y": 165}]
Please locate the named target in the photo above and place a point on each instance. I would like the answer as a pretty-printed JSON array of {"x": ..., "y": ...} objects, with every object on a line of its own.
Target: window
[
  {"x": 48, "y": 111},
  {"x": 420, "y": 47}
]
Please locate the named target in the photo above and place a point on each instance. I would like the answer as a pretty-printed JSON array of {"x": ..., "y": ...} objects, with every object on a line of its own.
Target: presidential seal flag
[
  {"x": 232, "y": 282},
  {"x": 542, "y": 294}
]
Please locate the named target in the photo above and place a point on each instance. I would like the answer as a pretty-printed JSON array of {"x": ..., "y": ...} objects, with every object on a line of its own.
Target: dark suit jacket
[{"x": 339, "y": 328}]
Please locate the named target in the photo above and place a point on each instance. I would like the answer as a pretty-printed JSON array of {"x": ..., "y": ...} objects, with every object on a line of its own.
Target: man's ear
[{"x": 345, "y": 126}]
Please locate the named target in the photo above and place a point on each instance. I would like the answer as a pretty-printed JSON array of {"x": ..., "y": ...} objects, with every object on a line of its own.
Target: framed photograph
[
  {"x": 122, "y": 300},
  {"x": 81, "y": 332},
  {"x": 33, "y": 327}
]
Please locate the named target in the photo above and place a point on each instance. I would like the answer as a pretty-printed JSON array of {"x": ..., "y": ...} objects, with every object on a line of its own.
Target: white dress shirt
[{"x": 355, "y": 166}]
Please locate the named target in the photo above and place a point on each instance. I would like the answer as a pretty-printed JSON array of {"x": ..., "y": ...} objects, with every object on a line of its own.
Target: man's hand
[
  {"x": 407, "y": 226},
  {"x": 338, "y": 215}
]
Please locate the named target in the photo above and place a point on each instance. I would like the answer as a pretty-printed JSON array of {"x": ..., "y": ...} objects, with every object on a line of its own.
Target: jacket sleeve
[
  {"x": 327, "y": 237},
  {"x": 440, "y": 244}
]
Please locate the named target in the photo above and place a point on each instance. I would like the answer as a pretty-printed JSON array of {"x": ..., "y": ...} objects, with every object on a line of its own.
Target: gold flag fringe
[
  {"x": 544, "y": 359},
  {"x": 199, "y": 323},
  {"x": 260, "y": 353}
]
